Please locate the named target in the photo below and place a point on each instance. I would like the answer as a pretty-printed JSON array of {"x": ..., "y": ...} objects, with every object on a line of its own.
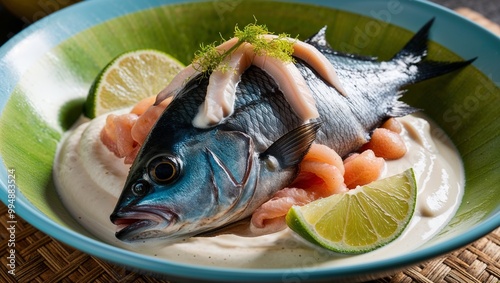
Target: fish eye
[
  {"x": 164, "y": 169},
  {"x": 140, "y": 188}
]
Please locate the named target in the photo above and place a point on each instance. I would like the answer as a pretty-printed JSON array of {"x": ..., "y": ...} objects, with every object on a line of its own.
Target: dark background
[{"x": 489, "y": 8}]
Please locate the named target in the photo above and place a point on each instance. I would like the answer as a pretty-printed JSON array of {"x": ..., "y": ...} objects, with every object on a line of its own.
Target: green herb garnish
[{"x": 209, "y": 59}]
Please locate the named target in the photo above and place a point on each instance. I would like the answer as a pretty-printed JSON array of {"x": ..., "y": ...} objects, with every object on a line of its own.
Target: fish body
[{"x": 187, "y": 180}]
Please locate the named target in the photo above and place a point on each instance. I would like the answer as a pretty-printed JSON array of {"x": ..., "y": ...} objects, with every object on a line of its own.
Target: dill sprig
[{"x": 208, "y": 59}]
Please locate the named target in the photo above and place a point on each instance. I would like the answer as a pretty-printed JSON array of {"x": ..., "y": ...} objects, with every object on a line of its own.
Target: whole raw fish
[{"x": 188, "y": 180}]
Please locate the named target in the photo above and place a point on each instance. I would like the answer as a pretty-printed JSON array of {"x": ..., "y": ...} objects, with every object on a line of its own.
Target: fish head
[{"x": 183, "y": 188}]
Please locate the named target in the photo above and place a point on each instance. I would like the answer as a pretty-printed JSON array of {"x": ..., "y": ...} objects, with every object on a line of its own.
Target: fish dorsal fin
[
  {"x": 290, "y": 149},
  {"x": 319, "y": 39}
]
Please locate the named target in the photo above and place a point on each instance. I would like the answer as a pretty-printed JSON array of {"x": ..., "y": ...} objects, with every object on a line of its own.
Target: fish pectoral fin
[{"x": 290, "y": 149}]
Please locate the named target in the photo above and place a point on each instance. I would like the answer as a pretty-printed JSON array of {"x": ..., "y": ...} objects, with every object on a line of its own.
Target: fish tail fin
[
  {"x": 417, "y": 46},
  {"x": 430, "y": 69},
  {"x": 415, "y": 51}
]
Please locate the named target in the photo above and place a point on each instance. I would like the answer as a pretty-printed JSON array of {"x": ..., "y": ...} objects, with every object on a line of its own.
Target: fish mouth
[{"x": 145, "y": 222}]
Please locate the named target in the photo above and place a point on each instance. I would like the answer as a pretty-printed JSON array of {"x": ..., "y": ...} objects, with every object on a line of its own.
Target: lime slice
[
  {"x": 129, "y": 78},
  {"x": 360, "y": 220}
]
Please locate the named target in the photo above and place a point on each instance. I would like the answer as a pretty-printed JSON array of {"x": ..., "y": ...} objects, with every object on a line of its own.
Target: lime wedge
[
  {"x": 129, "y": 78},
  {"x": 360, "y": 220}
]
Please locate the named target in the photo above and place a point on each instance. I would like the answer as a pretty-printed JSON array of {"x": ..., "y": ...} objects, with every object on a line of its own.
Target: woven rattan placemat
[{"x": 40, "y": 258}]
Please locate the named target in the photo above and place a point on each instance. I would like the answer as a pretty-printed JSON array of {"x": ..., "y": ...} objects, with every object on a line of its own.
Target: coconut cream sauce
[{"x": 89, "y": 180}]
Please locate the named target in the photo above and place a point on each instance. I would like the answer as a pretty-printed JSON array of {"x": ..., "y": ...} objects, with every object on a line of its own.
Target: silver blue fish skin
[{"x": 187, "y": 181}]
